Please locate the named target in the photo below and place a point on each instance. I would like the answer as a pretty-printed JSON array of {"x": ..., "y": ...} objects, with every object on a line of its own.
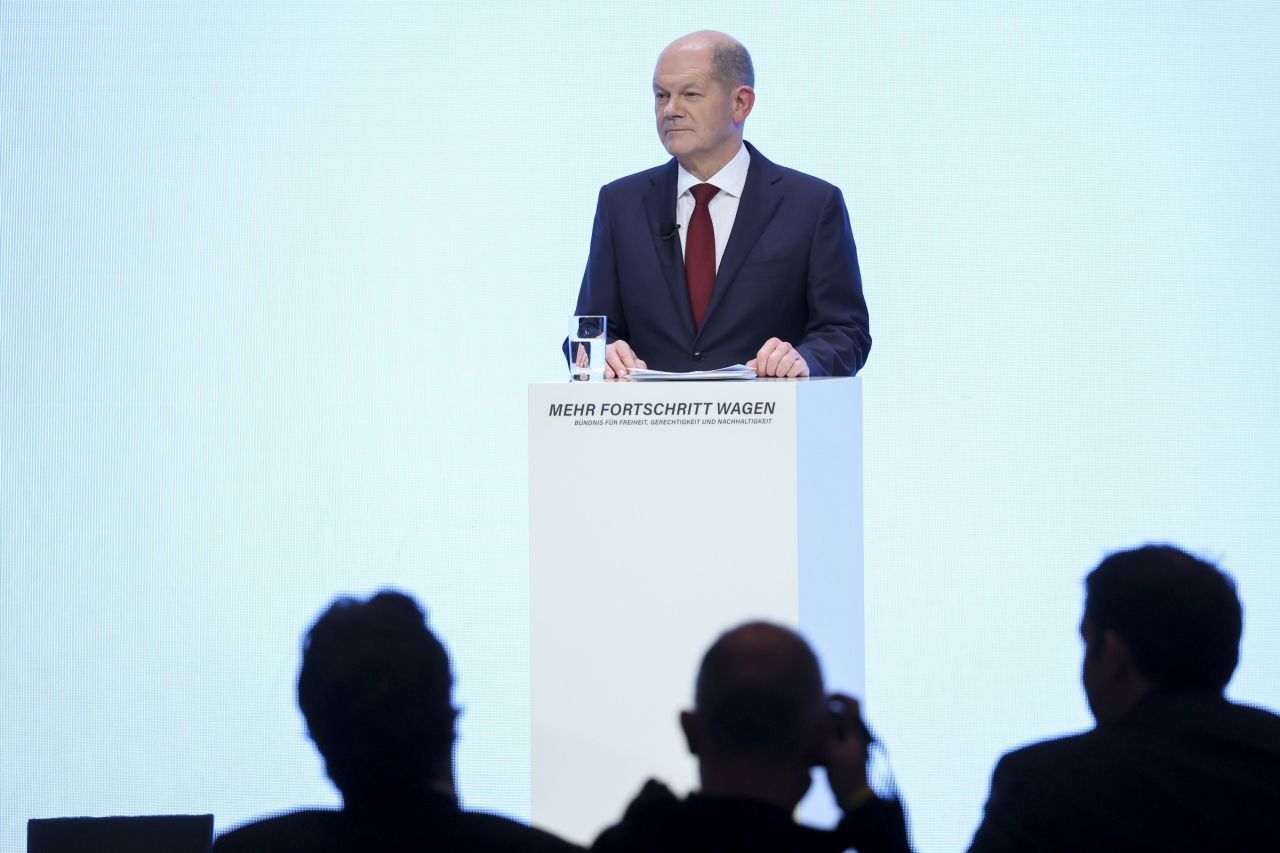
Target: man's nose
[{"x": 670, "y": 110}]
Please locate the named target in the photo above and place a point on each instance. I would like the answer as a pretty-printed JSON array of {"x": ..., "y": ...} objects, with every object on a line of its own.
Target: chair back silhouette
[{"x": 150, "y": 834}]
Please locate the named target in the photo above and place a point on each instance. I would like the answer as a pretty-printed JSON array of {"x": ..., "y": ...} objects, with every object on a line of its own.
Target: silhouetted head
[
  {"x": 1157, "y": 619},
  {"x": 758, "y": 715},
  {"x": 375, "y": 690}
]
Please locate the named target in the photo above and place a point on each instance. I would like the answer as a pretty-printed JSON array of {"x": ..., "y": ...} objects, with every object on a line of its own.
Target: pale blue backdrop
[{"x": 274, "y": 276}]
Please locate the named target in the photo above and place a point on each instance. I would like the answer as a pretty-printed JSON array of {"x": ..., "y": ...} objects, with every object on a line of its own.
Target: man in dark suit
[
  {"x": 762, "y": 721},
  {"x": 1172, "y": 765},
  {"x": 375, "y": 690},
  {"x": 720, "y": 256}
]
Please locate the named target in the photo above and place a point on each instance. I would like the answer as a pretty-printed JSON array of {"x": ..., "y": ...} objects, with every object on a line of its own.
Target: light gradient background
[{"x": 274, "y": 276}]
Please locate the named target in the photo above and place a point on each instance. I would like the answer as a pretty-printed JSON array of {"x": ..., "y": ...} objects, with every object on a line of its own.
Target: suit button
[{"x": 697, "y": 356}]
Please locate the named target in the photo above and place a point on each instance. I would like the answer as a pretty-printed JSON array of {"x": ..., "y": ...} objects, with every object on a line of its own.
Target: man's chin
[{"x": 675, "y": 149}]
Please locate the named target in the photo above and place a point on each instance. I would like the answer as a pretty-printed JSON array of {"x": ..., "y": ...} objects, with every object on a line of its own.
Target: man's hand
[
  {"x": 844, "y": 750},
  {"x": 618, "y": 360},
  {"x": 779, "y": 358}
]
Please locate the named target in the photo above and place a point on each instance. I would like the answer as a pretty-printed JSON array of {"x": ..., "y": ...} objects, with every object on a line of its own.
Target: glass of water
[{"x": 587, "y": 345}]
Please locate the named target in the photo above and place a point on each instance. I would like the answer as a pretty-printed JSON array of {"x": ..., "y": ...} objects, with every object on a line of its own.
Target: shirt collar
[{"x": 730, "y": 179}]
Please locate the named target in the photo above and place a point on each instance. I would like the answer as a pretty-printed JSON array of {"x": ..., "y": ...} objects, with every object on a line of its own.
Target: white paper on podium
[{"x": 733, "y": 371}]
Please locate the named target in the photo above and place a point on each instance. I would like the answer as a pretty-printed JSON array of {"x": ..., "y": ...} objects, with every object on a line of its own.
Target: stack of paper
[{"x": 733, "y": 371}]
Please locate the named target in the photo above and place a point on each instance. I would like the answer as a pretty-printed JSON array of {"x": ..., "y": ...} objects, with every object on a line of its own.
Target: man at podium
[{"x": 720, "y": 256}]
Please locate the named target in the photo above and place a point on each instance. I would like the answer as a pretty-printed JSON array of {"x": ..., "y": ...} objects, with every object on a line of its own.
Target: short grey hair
[{"x": 731, "y": 65}]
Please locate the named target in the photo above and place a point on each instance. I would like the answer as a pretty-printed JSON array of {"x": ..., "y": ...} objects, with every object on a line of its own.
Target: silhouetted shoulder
[
  {"x": 311, "y": 831},
  {"x": 1179, "y": 773},
  {"x": 657, "y": 821},
  {"x": 496, "y": 833},
  {"x": 1060, "y": 753},
  {"x": 647, "y": 823},
  {"x": 441, "y": 832},
  {"x": 1256, "y": 727}
]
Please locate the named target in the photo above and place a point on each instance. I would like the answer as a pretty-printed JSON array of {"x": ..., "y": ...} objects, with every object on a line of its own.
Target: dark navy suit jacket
[
  {"x": 1181, "y": 772},
  {"x": 789, "y": 270}
]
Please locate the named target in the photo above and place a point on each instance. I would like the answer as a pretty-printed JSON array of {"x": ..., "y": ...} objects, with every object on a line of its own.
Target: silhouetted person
[
  {"x": 1171, "y": 764},
  {"x": 762, "y": 720},
  {"x": 375, "y": 690}
]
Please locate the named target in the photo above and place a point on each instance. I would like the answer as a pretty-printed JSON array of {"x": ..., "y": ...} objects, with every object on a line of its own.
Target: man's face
[
  {"x": 1104, "y": 686},
  {"x": 1089, "y": 675},
  {"x": 698, "y": 118}
]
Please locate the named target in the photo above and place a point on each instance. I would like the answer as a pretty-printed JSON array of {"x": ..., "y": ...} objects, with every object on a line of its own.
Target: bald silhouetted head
[{"x": 759, "y": 697}]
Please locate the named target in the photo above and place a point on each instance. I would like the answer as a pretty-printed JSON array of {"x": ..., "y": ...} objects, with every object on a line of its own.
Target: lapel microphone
[{"x": 667, "y": 230}]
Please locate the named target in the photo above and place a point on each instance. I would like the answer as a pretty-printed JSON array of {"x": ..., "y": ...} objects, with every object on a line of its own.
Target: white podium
[{"x": 660, "y": 515}]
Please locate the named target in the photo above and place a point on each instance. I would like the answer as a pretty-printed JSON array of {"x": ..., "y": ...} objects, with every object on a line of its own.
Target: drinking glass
[{"x": 587, "y": 347}]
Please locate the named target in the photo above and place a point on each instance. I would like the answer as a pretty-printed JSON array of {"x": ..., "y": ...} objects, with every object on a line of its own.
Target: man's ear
[
  {"x": 744, "y": 98},
  {"x": 1114, "y": 657},
  {"x": 689, "y": 725}
]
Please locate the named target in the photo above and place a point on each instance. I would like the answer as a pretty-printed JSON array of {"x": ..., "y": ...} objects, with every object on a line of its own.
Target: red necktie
[{"x": 700, "y": 252}]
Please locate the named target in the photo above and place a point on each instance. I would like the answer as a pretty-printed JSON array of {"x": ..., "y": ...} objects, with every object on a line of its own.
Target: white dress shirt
[{"x": 723, "y": 206}]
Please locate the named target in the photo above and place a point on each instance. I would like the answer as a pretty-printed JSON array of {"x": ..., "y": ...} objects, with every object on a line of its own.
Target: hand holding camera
[{"x": 844, "y": 750}]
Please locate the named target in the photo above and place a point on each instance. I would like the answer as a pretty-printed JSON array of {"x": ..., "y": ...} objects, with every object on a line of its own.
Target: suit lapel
[
  {"x": 660, "y": 208},
  {"x": 760, "y": 199}
]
